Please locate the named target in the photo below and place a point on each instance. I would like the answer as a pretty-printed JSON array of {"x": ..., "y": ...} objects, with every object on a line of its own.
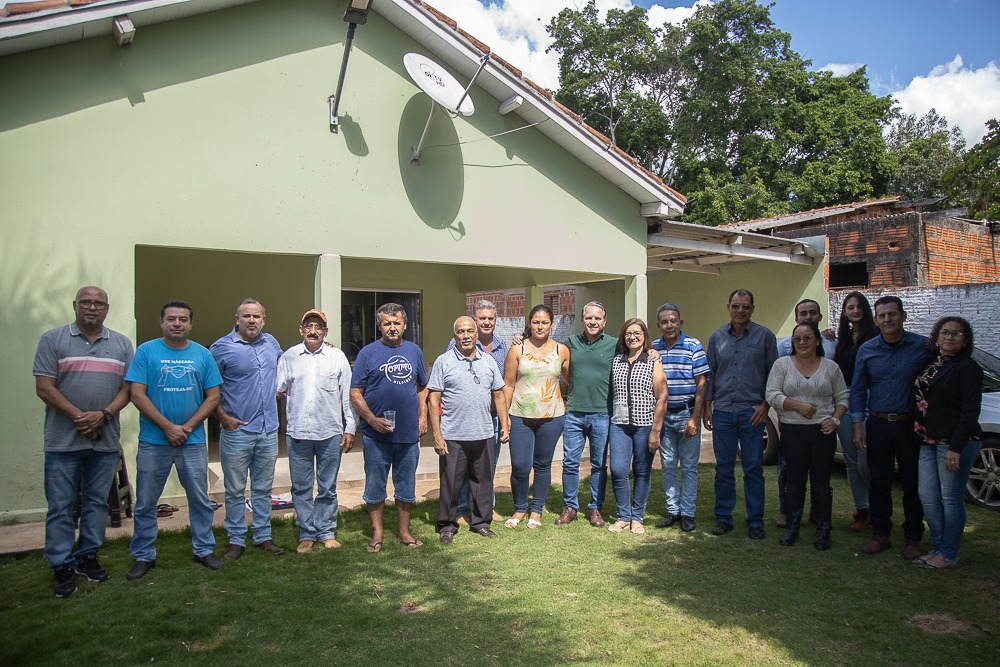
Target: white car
[{"x": 984, "y": 479}]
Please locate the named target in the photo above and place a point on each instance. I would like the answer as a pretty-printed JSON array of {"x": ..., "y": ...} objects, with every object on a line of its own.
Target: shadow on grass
[{"x": 430, "y": 606}]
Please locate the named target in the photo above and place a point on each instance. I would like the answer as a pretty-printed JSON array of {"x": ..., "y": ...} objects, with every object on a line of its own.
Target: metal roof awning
[{"x": 682, "y": 246}]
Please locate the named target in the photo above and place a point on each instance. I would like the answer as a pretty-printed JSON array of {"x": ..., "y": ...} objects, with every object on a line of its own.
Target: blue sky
[{"x": 926, "y": 53}]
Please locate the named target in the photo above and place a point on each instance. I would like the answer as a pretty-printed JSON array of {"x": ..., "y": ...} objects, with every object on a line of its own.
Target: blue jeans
[
  {"x": 240, "y": 453},
  {"x": 379, "y": 458},
  {"x": 315, "y": 462},
  {"x": 629, "y": 447},
  {"x": 532, "y": 444},
  {"x": 942, "y": 494},
  {"x": 91, "y": 473},
  {"x": 856, "y": 462},
  {"x": 465, "y": 493},
  {"x": 576, "y": 429},
  {"x": 732, "y": 432},
  {"x": 153, "y": 463},
  {"x": 674, "y": 449}
]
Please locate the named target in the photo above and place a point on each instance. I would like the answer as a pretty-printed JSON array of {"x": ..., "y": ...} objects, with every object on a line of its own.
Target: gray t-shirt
[
  {"x": 465, "y": 403},
  {"x": 88, "y": 375}
]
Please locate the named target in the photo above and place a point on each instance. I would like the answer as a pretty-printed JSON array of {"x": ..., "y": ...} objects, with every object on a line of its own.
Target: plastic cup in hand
[{"x": 390, "y": 415}]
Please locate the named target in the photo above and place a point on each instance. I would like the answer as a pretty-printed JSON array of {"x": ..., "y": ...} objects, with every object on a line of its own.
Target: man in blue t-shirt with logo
[
  {"x": 389, "y": 392},
  {"x": 175, "y": 386}
]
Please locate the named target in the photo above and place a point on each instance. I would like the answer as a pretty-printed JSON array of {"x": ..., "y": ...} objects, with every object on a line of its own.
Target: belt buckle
[{"x": 895, "y": 416}]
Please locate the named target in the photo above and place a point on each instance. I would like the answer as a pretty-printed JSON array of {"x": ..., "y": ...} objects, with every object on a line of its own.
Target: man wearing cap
[
  {"x": 464, "y": 384},
  {"x": 79, "y": 374},
  {"x": 389, "y": 391},
  {"x": 248, "y": 443},
  {"x": 315, "y": 379}
]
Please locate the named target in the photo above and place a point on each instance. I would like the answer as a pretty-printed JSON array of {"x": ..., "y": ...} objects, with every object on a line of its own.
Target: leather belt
[
  {"x": 679, "y": 408},
  {"x": 893, "y": 416}
]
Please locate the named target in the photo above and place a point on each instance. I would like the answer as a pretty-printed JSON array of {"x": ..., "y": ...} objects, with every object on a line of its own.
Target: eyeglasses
[
  {"x": 475, "y": 378},
  {"x": 312, "y": 325},
  {"x": 803, "y": 339},
  {"x": 634, "y": 334},
  {"x": 946, "y": 333},
  {"x": 87, "y": 304},
  {"x": 740, "y": 306}
]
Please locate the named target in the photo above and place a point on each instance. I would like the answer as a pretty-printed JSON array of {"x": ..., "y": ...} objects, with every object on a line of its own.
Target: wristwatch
[
  {"x": 835, "y": 421},
  {"x": 107, "y": 415}
]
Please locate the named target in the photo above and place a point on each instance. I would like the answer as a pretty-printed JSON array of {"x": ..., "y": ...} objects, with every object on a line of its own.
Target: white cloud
[
  {"x": 842, "y": 69},
  {"x": 515, "y": 29},
  {"x": 967, "y": 97}
]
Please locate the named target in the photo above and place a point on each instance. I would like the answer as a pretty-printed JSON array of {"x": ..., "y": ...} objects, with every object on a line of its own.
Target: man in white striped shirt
[{"x": 315, "y": 379}]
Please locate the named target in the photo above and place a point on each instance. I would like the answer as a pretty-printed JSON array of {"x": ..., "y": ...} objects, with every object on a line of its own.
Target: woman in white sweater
[{"x": 810, "y": 396}]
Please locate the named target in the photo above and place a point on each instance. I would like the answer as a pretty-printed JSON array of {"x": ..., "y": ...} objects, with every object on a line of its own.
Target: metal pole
[
  {"x": 482, "y": 64},
  {"x": 335, "y": 100},
  {"x": 427, "y": 126}
]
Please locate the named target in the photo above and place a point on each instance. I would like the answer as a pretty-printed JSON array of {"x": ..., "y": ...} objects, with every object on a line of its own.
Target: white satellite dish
[
  {"x": 439, "y": 85},
  {"x": 442, "y": 88}
]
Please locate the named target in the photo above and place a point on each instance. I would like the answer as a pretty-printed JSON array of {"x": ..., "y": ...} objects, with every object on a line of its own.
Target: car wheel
[
  {"x": 983, "y": 488},
  {"x": 770, "y": 456}
]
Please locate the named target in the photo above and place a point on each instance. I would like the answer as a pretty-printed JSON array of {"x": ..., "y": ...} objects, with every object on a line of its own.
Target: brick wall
[
  {"x": 959, "y": 252},
  {"x": 910, "y": 250},
  {"x": 511, "y": 310},
  {"x": 980, "y": 304}
]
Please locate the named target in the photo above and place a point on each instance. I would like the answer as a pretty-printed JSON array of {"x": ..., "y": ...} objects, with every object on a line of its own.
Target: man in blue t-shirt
[
  {"x": 389, "y": 392},
  {"x": 175, "y": 386}
]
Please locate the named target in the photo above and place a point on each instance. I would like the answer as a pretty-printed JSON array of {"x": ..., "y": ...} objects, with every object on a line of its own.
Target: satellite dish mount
[{"x": 443, "y": 90}]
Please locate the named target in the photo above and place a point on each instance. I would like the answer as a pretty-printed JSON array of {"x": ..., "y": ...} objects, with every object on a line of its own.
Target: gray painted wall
[{"x": 980, "y": 304}]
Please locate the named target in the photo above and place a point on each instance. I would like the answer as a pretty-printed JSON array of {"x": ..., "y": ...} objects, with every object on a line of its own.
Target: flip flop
[
  {"x": 165, "y": 511},
  {"x": 532, "y": 523},
  {"x": 215, "y": 506},
  {"x": 927, "y": 565},
  {"x": 375, "y": 547},
  {"x": 512, "y": 522},
  {"x": 411, "y": 544},
  {"x": 640, "y": 531},
  {"x": 618, "y": 526}
]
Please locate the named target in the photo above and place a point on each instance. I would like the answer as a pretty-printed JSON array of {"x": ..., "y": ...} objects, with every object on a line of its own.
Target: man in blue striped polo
[{"x": 686, "y": 366}]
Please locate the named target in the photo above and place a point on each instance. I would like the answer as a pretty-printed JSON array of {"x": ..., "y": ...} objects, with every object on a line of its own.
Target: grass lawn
[{"x": 550, "y": 596}]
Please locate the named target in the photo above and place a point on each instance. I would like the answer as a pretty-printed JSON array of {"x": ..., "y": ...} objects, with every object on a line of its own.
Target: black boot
[
  {"x": 795, "y": 499},
  {"x": 823, "y": 500}
]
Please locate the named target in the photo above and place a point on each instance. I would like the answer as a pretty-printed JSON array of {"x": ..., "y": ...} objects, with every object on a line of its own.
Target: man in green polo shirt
[{"x": 591, "y": 353}]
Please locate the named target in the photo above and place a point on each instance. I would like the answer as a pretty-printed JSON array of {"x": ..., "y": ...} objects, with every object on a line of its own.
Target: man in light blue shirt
[
  {"x": 248, "y": 442},
  {"x": 464, "y": 383}
]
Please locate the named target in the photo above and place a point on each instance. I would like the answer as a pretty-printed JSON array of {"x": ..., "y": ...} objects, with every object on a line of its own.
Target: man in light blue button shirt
[
  {"x": 463, "y": 384},
  {"x": 248, "y": 443}
]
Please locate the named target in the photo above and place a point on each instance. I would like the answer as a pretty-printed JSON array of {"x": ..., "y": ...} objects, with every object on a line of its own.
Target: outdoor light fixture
[
  {"x": 122, "y": 30},
  {"x": 356, "y": 14}
]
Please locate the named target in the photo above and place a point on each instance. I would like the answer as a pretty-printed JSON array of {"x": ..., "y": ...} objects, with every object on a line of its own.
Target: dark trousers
[
  {"x": 889, "y": 444},
  {"x": 472, "y": 460},
  {"x": 807, "y": 453}
]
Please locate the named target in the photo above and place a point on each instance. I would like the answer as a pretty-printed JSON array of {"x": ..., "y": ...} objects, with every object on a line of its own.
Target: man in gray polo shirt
[
  {"x": 463, "y": 380},
  {"x": 79, "y": 374}
]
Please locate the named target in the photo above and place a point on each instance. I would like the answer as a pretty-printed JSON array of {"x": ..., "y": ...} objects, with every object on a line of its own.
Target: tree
[
  {"x": 975, "y": 181},
  {"x": 724, "y": 110},
  {"x": 923, "y": 150}
]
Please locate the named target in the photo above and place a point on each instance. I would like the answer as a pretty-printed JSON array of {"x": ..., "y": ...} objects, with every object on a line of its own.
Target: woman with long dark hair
[
  {"x": 639, "y": 404},
  {"x": 857, "y": 325},
  {"x": 809, "y": 393},
  {"x": 531, "y": 386},
  {"x": 949, "y": 395}
]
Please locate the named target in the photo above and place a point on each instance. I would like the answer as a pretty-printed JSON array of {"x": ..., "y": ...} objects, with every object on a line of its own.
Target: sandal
[
  {"x": 513, "y": 522},
  {"x": 618, "y": 526},
  {"x": 165, "y": 511},
  {"x": 411, "y": 544},
  {"x": 637, "y": 528},
  {"x": 929, "y": 565},
  {"x": 533, "y": 522},
  {"x": 375, "y": 547}
]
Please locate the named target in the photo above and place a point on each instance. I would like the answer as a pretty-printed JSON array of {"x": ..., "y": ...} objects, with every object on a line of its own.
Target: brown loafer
[
  {"x": 860, "y": 521},
  {"x": 596, "y": 520},
  {"x": 270, "y": 547},
  {"x": 568, "y": 514},
  {"x": 234, "y": 552},
  {"x": 912, "y": 550},
  {"x": 878, "y": 544}
]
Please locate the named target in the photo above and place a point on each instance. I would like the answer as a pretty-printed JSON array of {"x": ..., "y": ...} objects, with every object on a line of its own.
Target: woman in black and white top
[
  {"x": 639, "y": 402},
  {"x": 810, "y": 395}
]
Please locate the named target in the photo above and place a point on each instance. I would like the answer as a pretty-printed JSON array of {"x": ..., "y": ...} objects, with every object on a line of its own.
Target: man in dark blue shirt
[{"x": 884, "y": 372}]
